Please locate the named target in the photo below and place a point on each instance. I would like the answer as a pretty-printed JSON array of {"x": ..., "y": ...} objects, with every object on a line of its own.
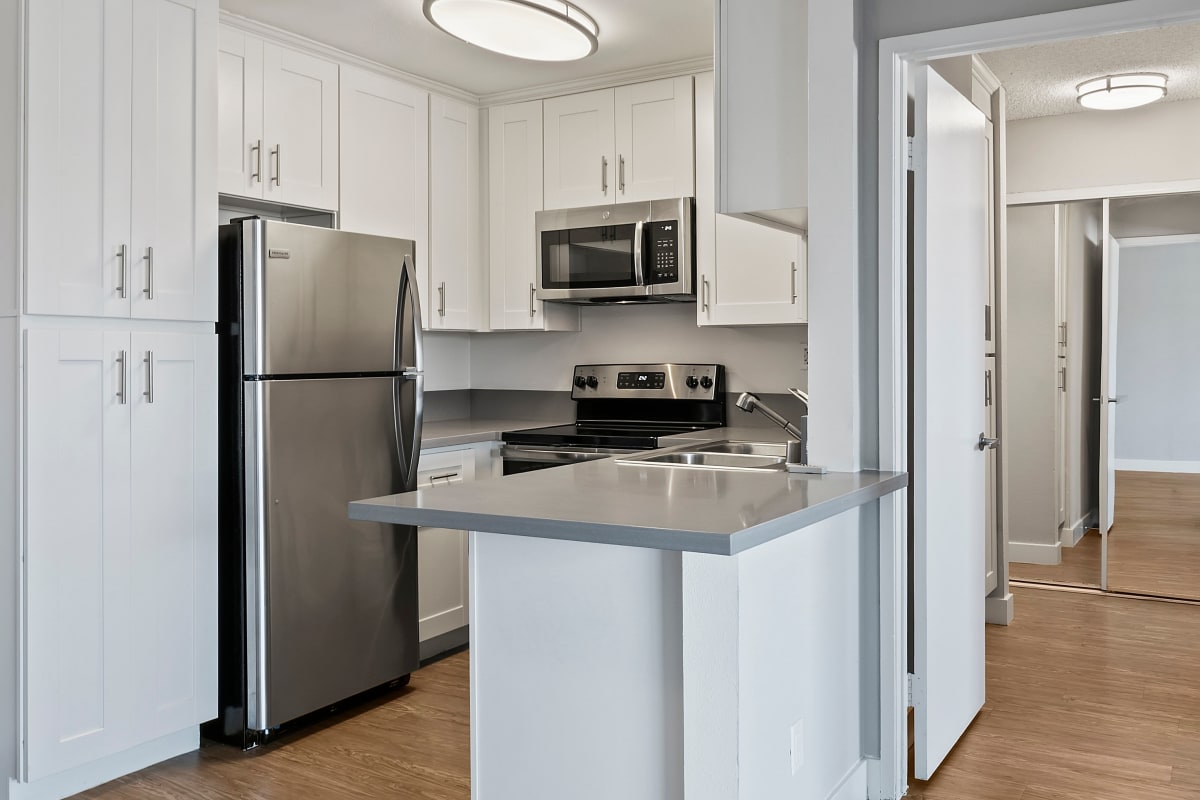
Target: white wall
[
  {"x": 1164, "y": 215},
  {"x": 1158, "y": 358},
  {"x": 765, "y": 359},
  {"x": 10, "y": 157},
  {"x": 1029, "y": 368},
  {"x": 1155, "y": 143},
  {"x": 447, "y": 361}
]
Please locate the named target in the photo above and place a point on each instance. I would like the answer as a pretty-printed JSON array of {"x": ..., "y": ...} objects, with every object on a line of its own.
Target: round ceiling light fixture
[
  {"x": 537, "y": 30},
  {"x": 1116, "y": 92}
]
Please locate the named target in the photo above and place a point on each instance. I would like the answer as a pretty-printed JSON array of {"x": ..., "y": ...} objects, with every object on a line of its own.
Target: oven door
[{"x": 524, "y": 458}]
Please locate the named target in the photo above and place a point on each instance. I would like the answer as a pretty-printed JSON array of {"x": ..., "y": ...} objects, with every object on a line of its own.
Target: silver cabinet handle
[
  {"x": 123, "y": 275},
  {"x": 603, "y": 174},
  {"x": 704, "y": 293},
  {"x": 442, "y": 300},
  {"x": 149, "y": 362},
  {"x": 122, "y": 386},
  {"x": 275, "y": 153},
  {"x": 621, "y": 173},
  {"x": 149, "y": 259},
  {"x": 256, "y": 150},
  {"x": 532, "y": 297},
  {"x": 794, "y": 295},
  {"x": 986, "y": 443}
]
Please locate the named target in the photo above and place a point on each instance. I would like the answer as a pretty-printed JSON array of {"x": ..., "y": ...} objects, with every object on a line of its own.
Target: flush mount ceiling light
[
  {"x": 1115, "y": 92},
  {"x": 538, "y": 30}
]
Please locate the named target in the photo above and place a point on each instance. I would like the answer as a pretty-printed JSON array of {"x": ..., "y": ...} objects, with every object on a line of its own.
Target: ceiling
[
  {"x": 633, "y": 34},
  {"x": 1040, "y": 81}
]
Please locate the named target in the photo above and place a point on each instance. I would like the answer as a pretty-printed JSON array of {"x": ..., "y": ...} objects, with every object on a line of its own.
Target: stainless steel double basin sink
[{"x": 729, "y": 455}]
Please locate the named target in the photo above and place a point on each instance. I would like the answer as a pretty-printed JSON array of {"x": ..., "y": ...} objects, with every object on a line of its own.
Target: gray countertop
[
  {"x": 453, "y": 432},
  {"x": 695, "y": 510}
]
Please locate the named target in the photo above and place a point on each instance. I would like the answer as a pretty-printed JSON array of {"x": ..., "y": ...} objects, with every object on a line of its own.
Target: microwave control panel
[{"x": 662, "y": 239}]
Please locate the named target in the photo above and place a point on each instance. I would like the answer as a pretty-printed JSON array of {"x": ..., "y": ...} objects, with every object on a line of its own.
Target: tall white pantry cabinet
[{"x": 107, "y": 390}]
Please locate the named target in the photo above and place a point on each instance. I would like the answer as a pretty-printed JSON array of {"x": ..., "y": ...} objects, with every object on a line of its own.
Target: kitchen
[{"x": 841, "y": 319}]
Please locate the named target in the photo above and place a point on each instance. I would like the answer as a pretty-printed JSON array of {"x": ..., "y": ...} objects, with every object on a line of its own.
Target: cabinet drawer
[{"x": 442, "y": 469}]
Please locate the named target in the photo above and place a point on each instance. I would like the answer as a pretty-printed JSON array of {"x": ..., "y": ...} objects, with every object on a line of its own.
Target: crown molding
[
  {"x": 673, "y": 69},
  {"x": 316, "y": 48}
]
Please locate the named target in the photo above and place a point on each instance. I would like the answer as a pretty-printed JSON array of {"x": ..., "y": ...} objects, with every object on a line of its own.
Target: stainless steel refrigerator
[{"x": 321, "y": 390}]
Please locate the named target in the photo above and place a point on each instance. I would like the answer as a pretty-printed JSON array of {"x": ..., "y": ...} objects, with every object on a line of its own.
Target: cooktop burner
[{"x": 594, "y": 434}]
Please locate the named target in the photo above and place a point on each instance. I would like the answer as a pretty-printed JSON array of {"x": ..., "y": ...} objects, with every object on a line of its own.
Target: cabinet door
[
  {"x": 240, "y": 155},
  {"x": 385, "y": 159},
  {"x": 442, "y": 585},
  {"x": 173, "y": 530},
  {"x": 453, "y": 297},
  {"x": 580, "y": 158},
  {"x": 758, "y": 276},
  {"x": 300, "y": 128},
  {"x": 77, "y": 549},
  {"x": 173, "y": 261},
  {"x": 78, "y": 157},
  {"x": 654, "y": 130}
]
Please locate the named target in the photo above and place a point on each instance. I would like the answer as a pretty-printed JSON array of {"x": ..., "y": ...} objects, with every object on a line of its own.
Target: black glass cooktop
[{"x": 638, "y": 436}]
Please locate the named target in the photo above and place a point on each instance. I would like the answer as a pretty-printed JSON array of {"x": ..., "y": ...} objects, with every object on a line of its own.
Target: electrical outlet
[
  {"x": 805, "y": 355},
  {"x": 797, "y": 745}
]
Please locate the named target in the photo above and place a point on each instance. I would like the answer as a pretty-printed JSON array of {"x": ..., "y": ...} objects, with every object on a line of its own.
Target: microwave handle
[{"x": 639, "y": 270}]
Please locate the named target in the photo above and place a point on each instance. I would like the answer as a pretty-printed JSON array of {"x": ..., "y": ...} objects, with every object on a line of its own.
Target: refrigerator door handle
[{"x": 408, "y": 390}]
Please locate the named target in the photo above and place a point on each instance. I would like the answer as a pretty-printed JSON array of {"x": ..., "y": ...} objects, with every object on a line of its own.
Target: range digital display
[{"x": 641, "y": 380}]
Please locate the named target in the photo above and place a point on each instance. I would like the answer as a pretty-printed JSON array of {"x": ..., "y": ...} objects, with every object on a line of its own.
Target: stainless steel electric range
[{"x": 620, "y": 409}]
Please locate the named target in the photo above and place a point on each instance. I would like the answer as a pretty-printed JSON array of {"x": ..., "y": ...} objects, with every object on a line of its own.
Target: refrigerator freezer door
[
  {"x": 320, "y": 301},
  {"x": 334, "y": 601}
]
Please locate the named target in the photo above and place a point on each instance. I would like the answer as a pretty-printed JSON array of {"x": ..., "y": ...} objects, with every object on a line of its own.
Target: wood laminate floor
[
  {"x": 1080, "y": 565},
  {"x": 1154, "y": 544},
  {"x": 1089, "y": 697}
]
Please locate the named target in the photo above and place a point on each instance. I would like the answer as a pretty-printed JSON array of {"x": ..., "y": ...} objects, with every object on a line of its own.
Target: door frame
[{"x": 896, "y": 54}]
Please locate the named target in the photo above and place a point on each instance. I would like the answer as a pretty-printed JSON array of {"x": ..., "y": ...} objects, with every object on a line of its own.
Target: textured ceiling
[
  {"x": 1040, "y": 81},
  {"x": 633, "y": 34}
]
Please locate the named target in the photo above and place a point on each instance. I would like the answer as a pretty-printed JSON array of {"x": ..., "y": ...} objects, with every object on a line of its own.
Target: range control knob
[
  {"x": 706, "y": 382},
  {"x": 691, "y": 382},
  {"x": 580, "y": 382},
  {"x": 592, "y": 382}
]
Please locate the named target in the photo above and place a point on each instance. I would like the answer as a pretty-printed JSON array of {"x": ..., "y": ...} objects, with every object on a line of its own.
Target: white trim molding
[
  {"x": 1102, "y": 192},
  {"x": 1029, "y": 553},
  {"x": 1159, "y": 241},
  {"x": 673, "y": 69},
  {"x": 1144, "y": 465},
  {"x": 998, "y": 610}
]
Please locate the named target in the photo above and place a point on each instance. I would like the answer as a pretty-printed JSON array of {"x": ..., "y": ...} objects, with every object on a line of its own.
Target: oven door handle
[
  {"x": 561, "y": 455},
  {"x": 639, "y": 266}
]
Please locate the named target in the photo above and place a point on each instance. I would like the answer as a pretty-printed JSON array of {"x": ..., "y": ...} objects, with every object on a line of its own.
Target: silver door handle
[
  {"x": 987, "y": 388},
  {"x": 532, "y": 298},
  {"x": 639, "y": 266},
  {"x": 604, "y": 174},
  {"x": 986, "y": 443},
  {"x": 442, "y": 300},
  {"x": 149, "y": 259},
  {"x": 256, "y": 150},
  {"x": 123, "y": 254},
  {"x": 149, "y": 362},
  {"x": 276, "y": 154},
  {"x": 794, "y": 294},
  {"x": 122, "y": 390},
  {"x": 704, "y": 293},
  {"x": 621, "y": 173}
]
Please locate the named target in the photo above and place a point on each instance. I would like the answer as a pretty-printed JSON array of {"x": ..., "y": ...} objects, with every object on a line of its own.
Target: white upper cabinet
[
  {"x": 655, "y": 154},
  {"x": 615, "y": 145},
  {"x": 746, "y": 273},
  {"x": 278, "y": 123},
  {"x": 119, "y": 148},
  {"x": 514, "y": 197},
  {"x": 453, "y": 301}
]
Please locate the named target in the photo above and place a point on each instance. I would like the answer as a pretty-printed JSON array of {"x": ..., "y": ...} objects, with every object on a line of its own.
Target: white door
[
  {"x": 949, "y": 270},
  {"x": 1108, "y": 390},
  {"x": 77, "y": 602},
  {"x": 453, "y": 298},
  {"x": 991, "y": 527},
  {"x": 78, "y": 121},
  {"x": 300, "y": 128},
  {"x": 580, "y": 160},
  {"x": 173, "y": 531},
  {"x": 240, "y": 114},
  {"x": 654, "y": 136},
  {"x": 174, "y": 216}
]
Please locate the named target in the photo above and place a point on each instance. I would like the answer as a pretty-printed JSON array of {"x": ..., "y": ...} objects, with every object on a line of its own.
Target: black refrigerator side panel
[{"x": 231, "y": 571}]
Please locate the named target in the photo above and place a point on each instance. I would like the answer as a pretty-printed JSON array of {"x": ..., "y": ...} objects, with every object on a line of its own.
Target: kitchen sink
[{"x": 725, "y": 455}]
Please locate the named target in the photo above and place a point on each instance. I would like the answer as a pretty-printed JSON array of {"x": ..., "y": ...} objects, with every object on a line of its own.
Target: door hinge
[{"x": 909, "y": 149}]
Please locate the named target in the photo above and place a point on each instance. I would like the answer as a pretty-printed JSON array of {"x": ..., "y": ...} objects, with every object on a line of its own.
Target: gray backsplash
[{"x": 558, "y": 406}]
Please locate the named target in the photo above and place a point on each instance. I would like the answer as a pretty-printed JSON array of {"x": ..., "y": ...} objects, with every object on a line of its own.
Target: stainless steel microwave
[{"x": 623, "y": 253}]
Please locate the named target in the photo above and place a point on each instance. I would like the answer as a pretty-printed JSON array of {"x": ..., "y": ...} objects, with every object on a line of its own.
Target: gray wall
[{"x": 1158, "y": 355}]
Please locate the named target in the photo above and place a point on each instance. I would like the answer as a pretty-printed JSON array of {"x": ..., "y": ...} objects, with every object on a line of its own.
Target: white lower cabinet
[
  {"x": 442, "y": 586},
  {"x": 120, "y": 552}
]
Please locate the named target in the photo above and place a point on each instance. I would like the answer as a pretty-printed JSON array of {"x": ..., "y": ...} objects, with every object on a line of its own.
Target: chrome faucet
[
  {"x": 797, "y": 449},
  {"x": 750, "y": 403}
]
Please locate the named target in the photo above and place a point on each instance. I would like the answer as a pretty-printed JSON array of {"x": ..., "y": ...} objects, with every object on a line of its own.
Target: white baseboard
[
  {"x": 88, "y": 776},
  {"x": 1027, "y": 553},
  {"x": 1143, "y": 465},
  {"x": 999, "y": 610},
  {"x": 1070, "y": 536},
  {"x": 854, "y": 785}
]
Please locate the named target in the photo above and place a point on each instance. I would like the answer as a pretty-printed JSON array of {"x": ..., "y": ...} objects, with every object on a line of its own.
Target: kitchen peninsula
[{"x": 650, "y": 632}]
